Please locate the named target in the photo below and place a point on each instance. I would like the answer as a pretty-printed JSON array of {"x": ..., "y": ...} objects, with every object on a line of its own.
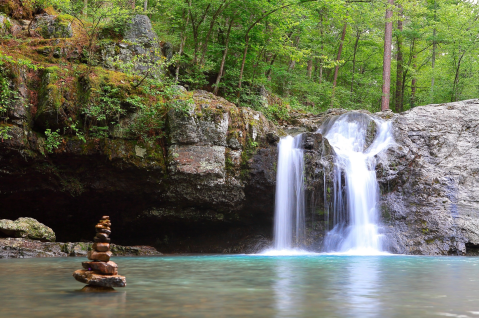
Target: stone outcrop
[
  {"x": 100, "y": 271},
  {"x": 27, "y": 228},
  {"x": 50, "y": 26},
  {"x": 428, "y": 180},
  {"x": 429, "y": 186},
  {"x": 26, "y": 248}
]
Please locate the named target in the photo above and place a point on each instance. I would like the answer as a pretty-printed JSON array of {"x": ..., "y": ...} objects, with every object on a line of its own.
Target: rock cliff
[{"x": 430, "y": 186}]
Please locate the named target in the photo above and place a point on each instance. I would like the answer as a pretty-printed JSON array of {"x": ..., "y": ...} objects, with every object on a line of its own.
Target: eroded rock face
[
  {"x": 209, "y": 186},
  {"x": 430, "y": 186}
]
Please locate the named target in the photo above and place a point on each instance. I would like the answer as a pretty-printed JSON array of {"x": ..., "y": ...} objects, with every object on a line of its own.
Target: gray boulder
[
  {"x": 430, "y": 201},
  {"x": 140, "y": 32}
]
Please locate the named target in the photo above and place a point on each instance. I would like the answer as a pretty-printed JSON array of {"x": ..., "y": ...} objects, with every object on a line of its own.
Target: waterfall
[
  {"x": 289, "y": 225},
  {"x": 357, "y": 139}
]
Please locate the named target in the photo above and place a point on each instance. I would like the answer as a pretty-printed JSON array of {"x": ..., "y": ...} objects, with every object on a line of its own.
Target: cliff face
[
  {"x": 209, "y": 186},
  {"x": 430, "y": 187}
]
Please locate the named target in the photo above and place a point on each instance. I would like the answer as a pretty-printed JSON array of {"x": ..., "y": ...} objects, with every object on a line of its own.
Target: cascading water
[
  {"x": 289, "y": 205},
  {"x": 355, "y": 203}
]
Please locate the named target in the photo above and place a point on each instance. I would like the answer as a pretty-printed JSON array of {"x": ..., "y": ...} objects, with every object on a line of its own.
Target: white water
[
  {"x": 289, "y": 204},
  {"x": 354, "y": 214},
  {"x": 355, "y": 204}
]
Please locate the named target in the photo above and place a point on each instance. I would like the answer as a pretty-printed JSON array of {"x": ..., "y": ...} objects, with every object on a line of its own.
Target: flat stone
[
  {"x": 107, "y": 268},
  {"x": 105, "y": 217},
  {"x": 101, "y": 247},
  {"x": 99, "y": 256},
  {"x": 97, "y": 279}
]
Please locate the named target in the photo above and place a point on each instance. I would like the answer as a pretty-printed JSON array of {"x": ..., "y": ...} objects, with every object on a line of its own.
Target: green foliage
[
  {"x": 54, "y": 140},
  {"x": 148, "y": 123},
  {"x": 103, "y": 109},
  {"x": 5, "y": 93},
  {"x": 4, "y": 130}
]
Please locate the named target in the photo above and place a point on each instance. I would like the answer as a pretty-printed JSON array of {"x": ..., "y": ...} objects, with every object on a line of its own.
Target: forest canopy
[{"x": 313, "y": 55}]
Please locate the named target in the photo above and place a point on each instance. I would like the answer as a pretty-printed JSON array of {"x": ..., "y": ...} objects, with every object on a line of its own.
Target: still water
[{"x": 254, "y": 286}]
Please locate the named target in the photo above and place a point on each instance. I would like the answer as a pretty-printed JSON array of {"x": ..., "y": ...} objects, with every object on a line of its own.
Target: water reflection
[
  {"x": 288, "y": 289},
  {"x": 361, "y": 291}
]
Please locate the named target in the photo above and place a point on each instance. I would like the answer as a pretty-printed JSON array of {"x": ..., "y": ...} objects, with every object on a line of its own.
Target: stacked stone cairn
[{"x": 100, "y": 272}]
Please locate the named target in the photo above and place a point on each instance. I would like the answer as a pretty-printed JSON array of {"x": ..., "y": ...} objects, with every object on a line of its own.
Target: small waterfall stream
[
  {"x": 289, "y": 203},
  {"x": 357, "y": 139}
]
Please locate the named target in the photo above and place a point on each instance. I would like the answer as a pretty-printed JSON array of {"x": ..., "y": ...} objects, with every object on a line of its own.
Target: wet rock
[
  {"x": 101, "y": 272},
  {"x": 27, "y": 228},
  {"x": 101, "y": 247},
  {"x": 24, "y": 248},
  {"x": 109, "y": 268},
  {"x": 98, "y": 279},
  {"x": 99, "y": 256}
]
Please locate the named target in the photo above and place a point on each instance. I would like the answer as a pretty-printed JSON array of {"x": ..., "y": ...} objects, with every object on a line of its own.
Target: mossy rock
[
  {"x": 27, "y": 228},
  {"x": 51, "y": 27}
]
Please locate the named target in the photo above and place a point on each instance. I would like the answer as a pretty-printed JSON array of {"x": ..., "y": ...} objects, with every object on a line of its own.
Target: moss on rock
[{"x": 27, "y": 228}]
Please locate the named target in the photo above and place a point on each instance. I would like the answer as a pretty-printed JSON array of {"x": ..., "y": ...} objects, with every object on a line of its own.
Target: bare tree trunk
[
  {"x": 310, "y": 68},
  {"x": 145, "y": 5},
  {"x": 336, "y": 69},
  {"x": 133, "y": 4},
  {"x": 225, "y": 53},
  {"x": 85, "y": 8},
  {"x": 210, "y": 30},
  {"x": 196, "y": 28},
  {"x": 413, "y": 85},
  {"x": 400, "y": 67},
  {"x": 358, "y": 35},
  {"x": 386, "y": 90},
  {"x": 433, "y": 58},
  {"x": 456, "y": 78}
]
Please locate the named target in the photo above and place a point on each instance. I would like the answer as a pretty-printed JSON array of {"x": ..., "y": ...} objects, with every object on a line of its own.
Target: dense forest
[{"x": 308, "y": 55}]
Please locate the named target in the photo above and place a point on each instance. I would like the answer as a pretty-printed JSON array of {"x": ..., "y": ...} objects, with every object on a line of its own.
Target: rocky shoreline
[{"x": 26, "y": 248}]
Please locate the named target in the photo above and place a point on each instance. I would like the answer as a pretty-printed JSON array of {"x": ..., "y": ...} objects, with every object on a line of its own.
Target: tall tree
[{"x": 388, "y": 31}]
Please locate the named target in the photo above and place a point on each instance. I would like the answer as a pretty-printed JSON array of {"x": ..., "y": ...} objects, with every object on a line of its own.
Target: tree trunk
[
  {"x": 388, "y": 30},
  {"x": 145, "y": 5},
  {"x": 358, "y": 35},
  {"x": 210, "y": 30},
  {"x": 85, "y": 8},
  {"x": 183, "y": 41},
  {"x": 433, "y": 58},
  {"x": 400, "y": 68},
  {"x": 225, "y": 53},
  {"x": 336, "y": 69},
  {"x": 413, "y": 85},
  {"x": 310, "y": 68},
  {"x": 456, "y": 78}
]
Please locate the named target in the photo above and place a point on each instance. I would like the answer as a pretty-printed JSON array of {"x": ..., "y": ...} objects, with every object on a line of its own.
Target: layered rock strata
[{"x": 100, "y": 271}]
